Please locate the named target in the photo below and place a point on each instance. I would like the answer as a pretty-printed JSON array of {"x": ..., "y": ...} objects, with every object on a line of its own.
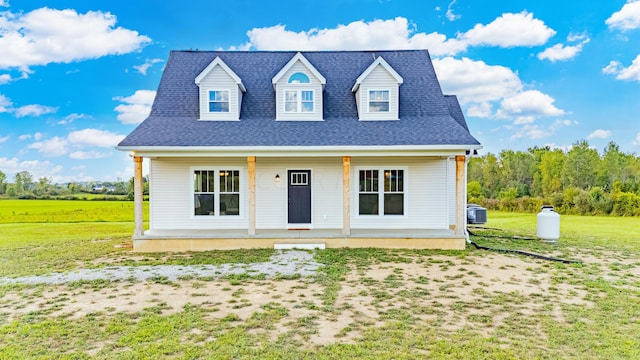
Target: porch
[{"x": 202, "y": 240}]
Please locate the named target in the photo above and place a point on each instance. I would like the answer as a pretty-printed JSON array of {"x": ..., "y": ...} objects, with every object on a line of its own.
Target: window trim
[
  {"x": 209, "y": 101},
  {"x": 299, "y": 100},
  {"x": 369, "y": 91},
  {"x": 381, "y": 191},
  {"x": 217, "y": 192}
]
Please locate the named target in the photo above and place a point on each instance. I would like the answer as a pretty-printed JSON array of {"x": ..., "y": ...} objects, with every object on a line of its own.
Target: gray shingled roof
[{"x": 427, "y": 117}]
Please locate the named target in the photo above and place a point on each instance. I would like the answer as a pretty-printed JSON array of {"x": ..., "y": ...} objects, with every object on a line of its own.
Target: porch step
[{"x": 305, "y": 246}]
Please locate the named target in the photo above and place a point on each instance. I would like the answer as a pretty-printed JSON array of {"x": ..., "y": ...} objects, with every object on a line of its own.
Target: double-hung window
[
  {"x": 219, "y": 101},
  {"x": 378, "y": 100},
  {"x": 298, "y": 101},
  {"x": 216, "y": 193},
  {"x": 381, "y": 189}
]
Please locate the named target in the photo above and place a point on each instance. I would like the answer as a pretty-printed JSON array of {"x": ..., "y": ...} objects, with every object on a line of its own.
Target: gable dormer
[
  {"x": 377, "y": 92},
  {"x": 220, "y": 92},
  {"x": 298, "y": 87}
]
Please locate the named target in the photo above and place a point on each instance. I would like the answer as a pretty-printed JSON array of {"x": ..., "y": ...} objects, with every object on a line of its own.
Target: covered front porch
[{"x": 202, "y": 240}]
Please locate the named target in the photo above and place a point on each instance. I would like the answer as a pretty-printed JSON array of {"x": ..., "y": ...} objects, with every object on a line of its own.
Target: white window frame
[
  {"x": 381, "y": 191},
  {"x": 217, "y": 192},
  {"x": 209, "y": 101},
  {"x": 369, "y": 101},
  {"x": 299, "y": 101}
]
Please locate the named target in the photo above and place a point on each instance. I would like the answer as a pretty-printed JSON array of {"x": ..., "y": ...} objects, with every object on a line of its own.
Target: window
[
  {"x": 299, "y": 178},
  {"x": 378, "y": 100},
  {"x": 216, "y": 192},
  {"x": 298, "y": 78},
  {"x": 229, "y": 192},
  {"x": 390, "y": 195},
  {"x": 298, "y": 100},
  {"x": 219, "y": 101}
]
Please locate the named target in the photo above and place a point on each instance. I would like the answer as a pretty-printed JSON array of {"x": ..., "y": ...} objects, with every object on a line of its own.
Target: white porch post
[
  {"x": 346, "y": 195},
  {"x": 460, "y": 195},
  {"x": 251, "y": 164},
  {"x": 137, "y": 197}
]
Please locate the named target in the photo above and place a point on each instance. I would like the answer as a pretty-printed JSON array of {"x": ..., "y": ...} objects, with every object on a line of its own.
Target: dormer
[
  {"x": 377, "y": 92},
  {"x": 298, "y": 87},
  {"x": 220, "y": 92}
]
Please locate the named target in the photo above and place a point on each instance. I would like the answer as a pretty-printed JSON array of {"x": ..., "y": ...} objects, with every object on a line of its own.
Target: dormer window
[
  {"x": 298, "y": 91},
  {"x": 377, "y": 92},
  {"x": 379, "y": 101},
  {"x": 220, "y": 92},
  {"x": 298, "y": 101},
  {"x": 299, "y": 78},
  {"x": 219, "y": 101}
]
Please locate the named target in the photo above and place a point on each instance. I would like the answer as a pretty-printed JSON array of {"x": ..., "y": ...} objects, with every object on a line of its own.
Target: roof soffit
[{"x": 218, "y": 62}]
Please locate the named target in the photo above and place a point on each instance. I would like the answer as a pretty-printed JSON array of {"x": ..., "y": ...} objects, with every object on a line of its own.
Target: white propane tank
[{"x": 548, "y": 224}]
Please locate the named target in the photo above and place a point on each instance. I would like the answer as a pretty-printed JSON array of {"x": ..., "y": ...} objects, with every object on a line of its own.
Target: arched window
[{"x": 298, "y": 78}]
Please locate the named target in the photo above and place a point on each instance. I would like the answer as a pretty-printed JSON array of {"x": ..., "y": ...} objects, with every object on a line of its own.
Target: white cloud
[
  {"x": 510, "y": 30},
  {"x": 450, "y": 15},
  {"x": 4, "y": 139},
  {"x": 4, "y": 3},
  {"x": 507, "y": 30},
  {"x": 142, "y": 68},
  {"x": 529, "y": 103},
  {"x": 94, "y": 137},
  {"x": 24, "y": 137},
  {"x": 34, "y": 110},
  {"x": 37, "y": 136},
  {"x": 7, "y": 78},
  {"x": 55, "y": 146},
  {"x": 624, "y": 73},
  {"x": 36, "y": 168},
  {"x": 627, "y": 18},
  {"x": 559, "y": 52},
  {"x": 87, "y": 155},
  {"x": 5, "y": 104},
  {"x": 136, "y": 107},
  {"x": 599, "y": 134},
  {"x": 45, "y": 36},
  {"x": 475, "y": 81},
  {"x": 71, "y": 118},
  {"x": 637, "y": 140},
  {"x": 482, "y": 110},
  {"x": 531, "y": 132}
]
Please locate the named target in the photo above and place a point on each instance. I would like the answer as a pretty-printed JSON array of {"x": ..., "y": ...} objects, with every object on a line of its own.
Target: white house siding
[
  {"x": 314, "y": 85},
  {"x": 378, "y": 79},
  {"x": 218, "y": 79},
  {"x": 326, "y": 191},
  {"x": 451, "y": 190},
  {"x": 172, "y": 193},
  {"x": 425, "y": 192}
]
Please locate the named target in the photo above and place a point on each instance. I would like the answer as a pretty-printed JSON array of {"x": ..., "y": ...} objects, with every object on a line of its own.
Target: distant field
[{"x": 66, "y": 211}]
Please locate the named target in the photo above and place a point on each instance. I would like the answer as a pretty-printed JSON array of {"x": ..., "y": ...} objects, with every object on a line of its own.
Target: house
[{"x": 333, "y": 148}]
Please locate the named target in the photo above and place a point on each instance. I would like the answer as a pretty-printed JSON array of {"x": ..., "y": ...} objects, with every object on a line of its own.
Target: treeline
[
  {"x": 25, "y": 187},
  {"x": 579, "y": 181}
]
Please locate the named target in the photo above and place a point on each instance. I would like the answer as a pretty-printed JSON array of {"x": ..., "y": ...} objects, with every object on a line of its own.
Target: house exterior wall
[
  {"x": 451, "y": 190},
  {"x": 378, "y": 79},
  {"x": 314, "y": 85},
  {"x": 427, "y": 193},
  {"x": 218, "y": 79}
]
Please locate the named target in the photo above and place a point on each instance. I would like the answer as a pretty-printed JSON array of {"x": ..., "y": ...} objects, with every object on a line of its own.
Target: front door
[{"x": 299, "y": 190}]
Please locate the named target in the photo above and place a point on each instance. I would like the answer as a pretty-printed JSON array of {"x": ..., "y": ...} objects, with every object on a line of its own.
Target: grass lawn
[{"x": 363, "y": 303}]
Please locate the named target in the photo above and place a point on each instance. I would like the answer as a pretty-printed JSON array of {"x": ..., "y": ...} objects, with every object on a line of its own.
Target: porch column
[
  {"x": 460, "y": 195},
  {"x": 346, "y": 195},
  {"x": 251, "y": 164},
  {"x": 137, "y": 197}
]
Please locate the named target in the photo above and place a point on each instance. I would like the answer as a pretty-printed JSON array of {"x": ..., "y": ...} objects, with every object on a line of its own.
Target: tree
[
  {"x": 23, "y": 182},
  {"x": 3, "y": 184},
  {"x": 492, "y": 176},
  {"x": 551, "y": 165},
  {"x": 580, "y": 166}
]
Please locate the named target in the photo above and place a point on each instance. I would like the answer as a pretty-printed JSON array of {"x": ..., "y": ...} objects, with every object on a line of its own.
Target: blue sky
[{"x": 77, "y": 76}]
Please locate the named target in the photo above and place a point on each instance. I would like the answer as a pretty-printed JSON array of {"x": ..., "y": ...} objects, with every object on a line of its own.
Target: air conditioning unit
[{"x": 476, "y": 214}]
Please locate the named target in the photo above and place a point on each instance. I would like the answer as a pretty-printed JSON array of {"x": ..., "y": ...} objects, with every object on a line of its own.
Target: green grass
[
  {"x": 413, "y": 321},
  {"x": 67, "y": 211}
]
